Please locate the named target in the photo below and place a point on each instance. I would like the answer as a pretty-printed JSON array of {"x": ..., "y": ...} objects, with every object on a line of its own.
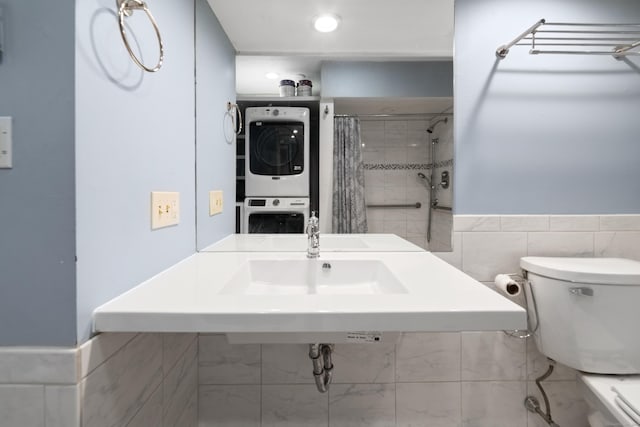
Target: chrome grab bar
[{"x": 416, "y": 205}]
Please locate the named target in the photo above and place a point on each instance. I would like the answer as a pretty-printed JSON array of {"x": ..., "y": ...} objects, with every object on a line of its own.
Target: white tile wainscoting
[
  {"x": 471, "y": 379},
  {"x": 132, "y": 380},
  {"x": 426, "y": 379}
]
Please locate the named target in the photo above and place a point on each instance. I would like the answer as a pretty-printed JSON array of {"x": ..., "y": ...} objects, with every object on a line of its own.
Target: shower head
[
  {"x": 424, "y": 177},
  {"x": 430, "y": 128}
]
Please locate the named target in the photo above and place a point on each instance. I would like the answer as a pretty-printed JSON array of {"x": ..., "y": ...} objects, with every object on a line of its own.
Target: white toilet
[{"x": 585, "y": 313}]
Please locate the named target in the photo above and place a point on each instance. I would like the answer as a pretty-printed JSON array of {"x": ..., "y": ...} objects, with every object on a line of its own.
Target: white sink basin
[
  {"x": 313, "y": 276},
  {"x": 280, "y": 293}
]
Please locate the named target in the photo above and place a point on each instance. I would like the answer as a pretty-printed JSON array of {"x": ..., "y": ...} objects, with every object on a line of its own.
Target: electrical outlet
[
  {"x": 216, "y": 202},
  {"x": 165, "y": 209}
]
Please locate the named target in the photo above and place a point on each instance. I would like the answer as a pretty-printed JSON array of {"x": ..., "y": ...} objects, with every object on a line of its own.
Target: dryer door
[{"x": 276, "y": 148}]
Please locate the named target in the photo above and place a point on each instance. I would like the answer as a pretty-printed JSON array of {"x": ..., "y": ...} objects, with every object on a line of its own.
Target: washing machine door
[
  {"x": 276, "y": 223},
  {"x": 276, "y": 148}
]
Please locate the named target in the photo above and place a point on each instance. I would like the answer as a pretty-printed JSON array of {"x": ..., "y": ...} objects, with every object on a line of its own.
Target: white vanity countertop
[
  {"x": 187, "y": 298},
  {"x": 298, "y": 242}
]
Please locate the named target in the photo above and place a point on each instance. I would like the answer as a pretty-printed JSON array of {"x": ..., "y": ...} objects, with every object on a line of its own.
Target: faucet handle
[
  {"x": 313, "y": 219},
  {"x": 312, "y": 224}
]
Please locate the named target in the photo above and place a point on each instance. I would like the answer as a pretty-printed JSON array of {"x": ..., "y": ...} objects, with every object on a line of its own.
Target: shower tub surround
[
  {"x": 470, "y": 379},
  {"x": 394, "y": 152}
]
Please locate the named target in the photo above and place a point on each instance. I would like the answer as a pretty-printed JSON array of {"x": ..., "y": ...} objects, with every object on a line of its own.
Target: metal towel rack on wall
[
  {"x": 126, "y": 8},
  {"x": 575, "y": 38}
]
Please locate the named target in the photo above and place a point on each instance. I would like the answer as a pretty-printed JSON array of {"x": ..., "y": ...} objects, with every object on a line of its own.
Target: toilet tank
[{"x": 587, "y": 311}]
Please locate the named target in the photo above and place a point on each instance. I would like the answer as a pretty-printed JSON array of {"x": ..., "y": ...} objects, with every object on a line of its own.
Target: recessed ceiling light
[
  {"x": 326, "y": 23},
  {"x": 272, "y": 76}
]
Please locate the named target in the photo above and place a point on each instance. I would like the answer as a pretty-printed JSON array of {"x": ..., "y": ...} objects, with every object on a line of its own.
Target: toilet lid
[
  {"x": 628, "y": 399},
  {"x": 597, "y": 271}
]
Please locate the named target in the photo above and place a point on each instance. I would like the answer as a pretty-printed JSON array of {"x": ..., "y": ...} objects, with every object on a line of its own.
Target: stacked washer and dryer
[{"x": 277, "y": 173}]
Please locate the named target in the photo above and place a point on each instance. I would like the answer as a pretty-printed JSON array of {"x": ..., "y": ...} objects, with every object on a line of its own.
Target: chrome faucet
[{"x": 313, "y": 235}]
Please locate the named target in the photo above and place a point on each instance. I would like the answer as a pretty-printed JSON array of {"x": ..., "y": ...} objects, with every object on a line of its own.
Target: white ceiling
[
  {"x": 278, "y": 35},
  {"x": 369, "y": 28}
]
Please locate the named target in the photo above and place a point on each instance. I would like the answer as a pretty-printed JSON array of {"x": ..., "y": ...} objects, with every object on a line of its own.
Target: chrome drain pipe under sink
[{"x": 320, "y": 355}]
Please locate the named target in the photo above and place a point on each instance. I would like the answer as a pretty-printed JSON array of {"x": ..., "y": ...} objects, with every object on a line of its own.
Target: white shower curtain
[{"x": 349, "y": 206}]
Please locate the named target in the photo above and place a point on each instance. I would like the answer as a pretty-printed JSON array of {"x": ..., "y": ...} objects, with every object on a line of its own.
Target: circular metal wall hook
[
  {"x": 126, "y": 8},
  {"x": 236, "y": 118}
]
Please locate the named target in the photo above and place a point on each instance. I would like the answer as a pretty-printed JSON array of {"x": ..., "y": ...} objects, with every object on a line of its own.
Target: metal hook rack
[
  {"x": 575, "y": 38},
  {"x": 125, "y": 9}
]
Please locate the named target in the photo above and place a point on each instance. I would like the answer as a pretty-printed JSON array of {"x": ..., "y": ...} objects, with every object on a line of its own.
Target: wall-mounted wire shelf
[{"x": 575, "y": 38}]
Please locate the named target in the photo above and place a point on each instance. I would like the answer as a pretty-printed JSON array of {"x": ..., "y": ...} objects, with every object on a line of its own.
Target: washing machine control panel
[{"x": 277, "y": 202}]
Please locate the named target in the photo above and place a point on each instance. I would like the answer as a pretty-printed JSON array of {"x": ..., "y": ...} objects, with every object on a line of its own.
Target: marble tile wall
[
  {"x": 426, "y": 379},
  {"x": 394, "y": 152},
  {"x": 132, "y": 380},
  {"x": 38, "y": 387},
  {"x": 467, "y": 379}
]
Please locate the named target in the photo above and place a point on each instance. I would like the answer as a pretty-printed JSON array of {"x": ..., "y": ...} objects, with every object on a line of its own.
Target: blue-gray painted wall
[
  {"x": 552, "y": 134},
  {"x": 93, "y": 136},
  {"x": 136, "y": 133},
  {"x": 350, "y": 79},
  {"x": 37, "y": 215},
  {"x": 216, "y": 142}
]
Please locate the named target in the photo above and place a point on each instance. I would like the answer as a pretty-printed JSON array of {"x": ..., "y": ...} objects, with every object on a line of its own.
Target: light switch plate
[
  {"x": 165, "y": 209},
  {"x": 216, "y": 202},
  {"x": 6, "y": 143}
]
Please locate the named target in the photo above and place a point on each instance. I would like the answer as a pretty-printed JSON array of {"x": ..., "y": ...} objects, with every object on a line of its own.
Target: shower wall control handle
[
  {"x": 582, "y": 291},
  {"x": 444, "y": 179}
]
